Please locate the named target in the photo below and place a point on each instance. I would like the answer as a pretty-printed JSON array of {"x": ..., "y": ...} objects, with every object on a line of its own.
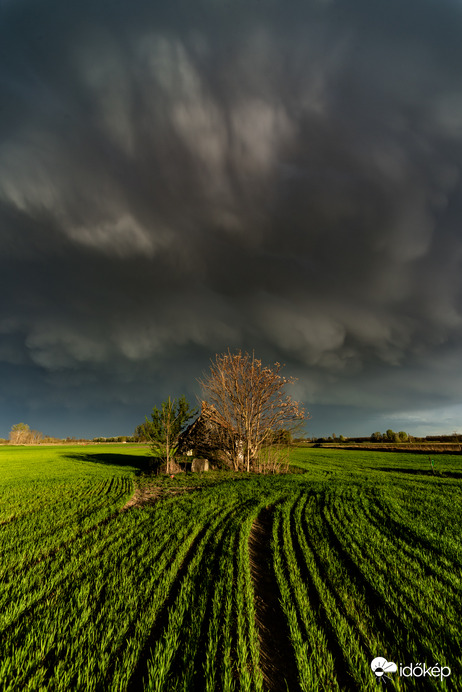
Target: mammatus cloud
[{"x": 175, "y": 182}]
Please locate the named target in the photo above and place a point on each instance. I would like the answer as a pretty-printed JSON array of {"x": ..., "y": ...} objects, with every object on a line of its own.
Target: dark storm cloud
[{"x": 176, "y": 180}]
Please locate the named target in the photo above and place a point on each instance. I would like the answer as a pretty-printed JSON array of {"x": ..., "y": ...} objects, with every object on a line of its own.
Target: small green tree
[
  {"x": 390, "y": 435},
  {"x": 143, "y": 432},
  {"x": 167, "y": 424},
  {"x": 282, "y": 437}
]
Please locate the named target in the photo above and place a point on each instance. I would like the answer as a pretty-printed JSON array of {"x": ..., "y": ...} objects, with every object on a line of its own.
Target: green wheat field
[{"x": 360, "y": 552}]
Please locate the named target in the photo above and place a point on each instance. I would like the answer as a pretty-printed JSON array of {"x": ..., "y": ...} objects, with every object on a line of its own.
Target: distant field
[{"x": 227, "y": 582}]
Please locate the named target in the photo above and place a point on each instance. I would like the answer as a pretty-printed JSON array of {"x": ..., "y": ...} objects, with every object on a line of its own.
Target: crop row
[
  {"x": 352, "y": 590},
  {"x": 138, "y": 600},
  {"x": 62, "y": 519}
]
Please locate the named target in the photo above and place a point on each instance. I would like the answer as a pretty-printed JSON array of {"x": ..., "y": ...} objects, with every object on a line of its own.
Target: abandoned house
[{"x": 206, "y": 439}]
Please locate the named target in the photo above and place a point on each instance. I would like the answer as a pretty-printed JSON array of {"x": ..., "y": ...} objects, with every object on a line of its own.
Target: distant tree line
[
  {"x": 386, "y": 437},
  {"x": 21, "y": 434},
  {"x": 455, "y": 437},
  {"x": 390, "y": 436},
  {"x": 119, "y": 438}
]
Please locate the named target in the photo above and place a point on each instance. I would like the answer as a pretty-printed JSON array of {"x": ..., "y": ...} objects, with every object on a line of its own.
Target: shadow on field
[
  {"x": 141, "y": 463},
  {"x": 420, "y": 472}
]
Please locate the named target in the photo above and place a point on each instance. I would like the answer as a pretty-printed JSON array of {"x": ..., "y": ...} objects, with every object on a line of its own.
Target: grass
[{"x": 366, "y": 553}]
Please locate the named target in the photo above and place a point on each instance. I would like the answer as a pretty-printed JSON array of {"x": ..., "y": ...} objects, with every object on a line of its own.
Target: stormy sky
[{"x": 177, "y": 178}]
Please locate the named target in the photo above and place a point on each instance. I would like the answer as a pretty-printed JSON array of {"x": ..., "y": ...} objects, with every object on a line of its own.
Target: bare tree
[
  {"x": 21, "y": 434},
  {"x": 35, "y": 437},
  {"x": 247, "y": 402}
]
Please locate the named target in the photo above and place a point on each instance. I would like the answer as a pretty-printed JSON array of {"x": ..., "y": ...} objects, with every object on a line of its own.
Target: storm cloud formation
[{"x": 179, "y": 178}]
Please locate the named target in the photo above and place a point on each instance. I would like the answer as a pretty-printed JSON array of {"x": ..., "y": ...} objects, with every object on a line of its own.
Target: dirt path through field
[
  {"x": 142, "y": 496},
  {"x": 149, "y": 494},
  {"x": 277, "y": 661}
]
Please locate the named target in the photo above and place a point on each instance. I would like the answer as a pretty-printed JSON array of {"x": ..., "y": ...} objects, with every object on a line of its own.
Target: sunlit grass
[{"x": 366, "y": 551}]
